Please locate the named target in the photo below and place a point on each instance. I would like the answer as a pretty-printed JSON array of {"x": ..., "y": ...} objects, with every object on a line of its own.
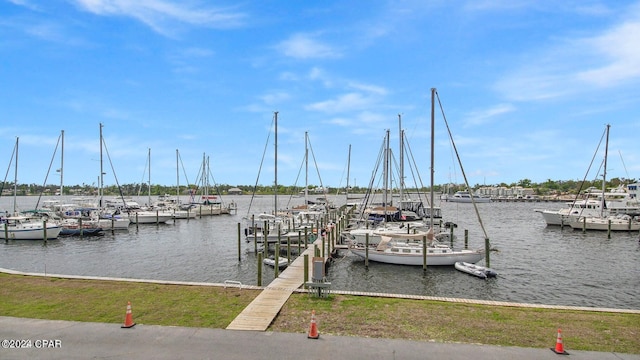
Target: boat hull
[
  {"x": 31, "y": 234},
  {"x": 603, "y": 224},
  {"x": 282, "y": 262},
  {"x": 82, "y": 232},
  {"x": 475, "y": 270},
  {"x": 433, "y": 259},
  {"x": 151, "y": 218}
]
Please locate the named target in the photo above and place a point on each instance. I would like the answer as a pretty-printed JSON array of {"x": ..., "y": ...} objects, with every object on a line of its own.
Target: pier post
[
  {"x": 608, "y": 228},
  {"x": 451, "y": 234},
  {"x": 306, "y": 270},
  {"x": 289, "y": 249},
  {"x": 6, "y": 232},
  {"x": 44, "y": 230},
  {"x": 487, "y": 250},
  {"x": 366, "y": 251},
  {"x": 331, "y": 238},
  {"x": 255, "y": 239},
  {"x": 277, "y": 258},
  {"x": 239, "y": 252},
  {"x": 466, "y": 238},
  {"x": 424, "y": 253},
  {"x": 299, "y": 240},
  {"x": 259, "y": 269},
  {"x": 279, "y": 236},
  {"x": 306, "y": 237},
  {"x": 80, "y": 227},
  {"x": 323, "y": 245},
  {"x": 265, "y": 245},
  {"x": 265, "y": 230}
]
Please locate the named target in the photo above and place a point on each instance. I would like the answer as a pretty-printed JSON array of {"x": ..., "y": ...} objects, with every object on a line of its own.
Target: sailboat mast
[
  {"x": 386, "y": 174},
  {"x": 62, "y": 164},
  {"x": 149, "y": 177},
  {"x": 275, "y": 187},
  {"x": 101, "y": 179},
  {"x": 433, "y": 93},
  {"x": 306, "y": 170},
  {"x": 348, "y": 169},
  {"x": 604, "y": 174},
  {"x": 177, "y": 177},
  {"x": 204, "y": 179},
  {"x": 15, "y": 181},
  {"x": 401, "y": 155}
]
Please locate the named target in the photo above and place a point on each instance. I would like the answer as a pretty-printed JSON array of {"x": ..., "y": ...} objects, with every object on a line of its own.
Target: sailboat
[
  {"x": 271, "y": 227},
  {"x": 20, "y": 227},
  {"x": 594, "y": 203},
  {"x": 208, "y": 204},
  {"x": 603, "y": 221},
  {"x": 418, "y": 249},
  {"x": 148, "y": 215},
  {"x": 405, "y": 218}
]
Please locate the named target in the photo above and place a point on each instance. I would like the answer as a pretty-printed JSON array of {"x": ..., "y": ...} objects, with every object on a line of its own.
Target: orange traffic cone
[
  {"x": 313, "y": 328},
  {"x": 559, "y": 347},
  {"x": 128, "y": 319}
]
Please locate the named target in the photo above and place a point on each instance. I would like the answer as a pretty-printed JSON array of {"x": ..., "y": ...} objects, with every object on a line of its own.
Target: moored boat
[
  {"x": 606, "y": 223},
  {"x": 465, "y": 197},
  {"x": 271, "y": 261},
  {"x": 23, "y": 228},
  {"x": 409, "y": 250},
  {"x": 475, "y": 270}
]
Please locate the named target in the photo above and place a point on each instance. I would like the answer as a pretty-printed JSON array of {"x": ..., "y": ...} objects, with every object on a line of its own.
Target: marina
[{"x": 536, "y": 264}]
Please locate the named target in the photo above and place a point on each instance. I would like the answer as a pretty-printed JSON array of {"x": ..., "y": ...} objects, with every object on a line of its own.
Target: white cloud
[
  {"x": 607, "y": 59},
  {"x": 345, "y": 102},
  {"x": 619, "y": 47},
  {"x": 25, "y": 3},
  {"x": 484, "y": 116},
  {"x": 373, "y": 89},
  {"x": 161, "y": 15},
  {"x": 303, "y": 46},
  {"x": 275, "y": 98}
]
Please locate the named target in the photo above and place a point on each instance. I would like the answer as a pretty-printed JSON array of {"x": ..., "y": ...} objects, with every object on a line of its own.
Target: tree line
[{"x": 549, "y": 187}]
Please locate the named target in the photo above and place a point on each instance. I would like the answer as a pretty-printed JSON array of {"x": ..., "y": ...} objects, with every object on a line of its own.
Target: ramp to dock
[{"x": 259, "y": 314}]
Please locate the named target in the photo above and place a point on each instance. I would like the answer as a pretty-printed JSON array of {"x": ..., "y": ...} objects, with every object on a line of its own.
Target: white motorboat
[
  {"x": 606, "y": 223},
  {"x": 23, "y": 228},
  {"x": 600, "y": 209},
  {"x": 150, "y": 217},
  {"x": 573, "y": 210},
  {"x": 617, "y": 201},
  {"x": 113, "y": 222},
  {"x": 408, "y": 250},
  {"x": 282, "y": 262},
  {"x": 475, "y": 270},
  {"x": 465, "y": 197}
]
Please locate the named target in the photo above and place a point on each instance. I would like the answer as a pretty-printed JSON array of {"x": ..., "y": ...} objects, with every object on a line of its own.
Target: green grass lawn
[{"x": 216, "y": 307}]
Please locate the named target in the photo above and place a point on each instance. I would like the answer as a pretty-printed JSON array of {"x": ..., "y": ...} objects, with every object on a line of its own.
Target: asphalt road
[{"x": 47, "y": 339}]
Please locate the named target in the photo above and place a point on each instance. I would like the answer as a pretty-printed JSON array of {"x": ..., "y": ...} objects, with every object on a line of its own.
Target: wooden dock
[{"x": 259, "y": 314}]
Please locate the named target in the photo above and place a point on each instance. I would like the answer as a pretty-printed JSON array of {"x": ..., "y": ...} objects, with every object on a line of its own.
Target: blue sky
[{"x": 527, "y": 88}]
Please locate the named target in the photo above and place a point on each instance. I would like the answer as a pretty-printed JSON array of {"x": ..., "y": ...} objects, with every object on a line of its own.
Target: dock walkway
[{"x": 259, "y": 314}]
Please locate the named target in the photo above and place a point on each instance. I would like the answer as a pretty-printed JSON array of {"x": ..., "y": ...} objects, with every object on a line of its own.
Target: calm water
[{"x": 535, "y": 263}]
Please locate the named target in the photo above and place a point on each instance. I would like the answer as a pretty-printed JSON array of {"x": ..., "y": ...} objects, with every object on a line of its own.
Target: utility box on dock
[
  {"x": 318, "y": 269},
  {"x": 318, "y": 285}
]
